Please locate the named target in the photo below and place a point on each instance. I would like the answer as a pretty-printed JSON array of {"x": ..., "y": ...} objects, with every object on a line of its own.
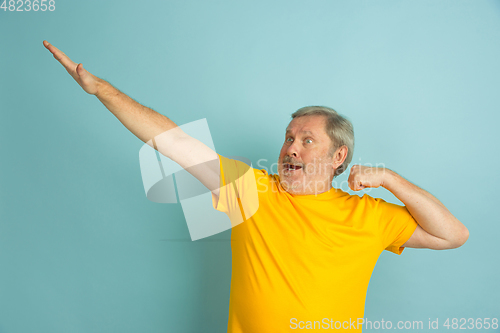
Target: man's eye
[
  {"x": 289, "y": 140},
  {"x": 309, "y": 141}
]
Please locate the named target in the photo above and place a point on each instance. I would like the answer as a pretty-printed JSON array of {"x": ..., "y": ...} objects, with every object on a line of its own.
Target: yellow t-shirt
[{"x": 304, "y": 261}]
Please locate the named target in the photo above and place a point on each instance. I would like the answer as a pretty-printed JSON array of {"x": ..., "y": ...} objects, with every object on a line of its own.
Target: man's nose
[{"x": 293, "y": 150}]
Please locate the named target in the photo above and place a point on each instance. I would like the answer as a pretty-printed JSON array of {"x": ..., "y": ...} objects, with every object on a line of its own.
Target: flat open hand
[{"x": 87, "y": 81}]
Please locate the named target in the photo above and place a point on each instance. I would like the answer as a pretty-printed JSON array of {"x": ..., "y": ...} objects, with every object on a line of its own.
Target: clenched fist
[{"x": 362, "y": 176}]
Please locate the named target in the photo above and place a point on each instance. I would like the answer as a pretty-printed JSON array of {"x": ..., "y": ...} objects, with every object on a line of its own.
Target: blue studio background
[{"x": 83, "y": 250}]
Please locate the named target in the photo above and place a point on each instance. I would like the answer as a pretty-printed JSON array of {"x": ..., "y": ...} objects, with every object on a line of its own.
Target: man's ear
[{"x": 339, "y": 156}]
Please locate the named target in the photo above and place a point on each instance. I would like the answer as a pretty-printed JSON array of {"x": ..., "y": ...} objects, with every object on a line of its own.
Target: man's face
[{"x": 305, "y": 165}]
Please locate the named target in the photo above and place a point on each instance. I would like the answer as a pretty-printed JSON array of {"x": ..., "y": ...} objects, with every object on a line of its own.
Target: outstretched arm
[
  {"x": 437, "y": 228},
  {"x": 151, "y": 127}
]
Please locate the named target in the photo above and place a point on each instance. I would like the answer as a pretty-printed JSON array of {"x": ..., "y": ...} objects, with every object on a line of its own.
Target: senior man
[{"x": 303, "y": 260}]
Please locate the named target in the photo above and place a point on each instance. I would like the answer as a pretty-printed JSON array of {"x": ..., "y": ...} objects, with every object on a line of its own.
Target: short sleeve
[
  {"x": 396, "y": 225},
  {"x": 238, "y": 196}
]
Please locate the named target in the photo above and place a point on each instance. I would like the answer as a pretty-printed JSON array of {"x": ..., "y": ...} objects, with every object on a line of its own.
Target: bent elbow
[{"x": 464, "y": 236}]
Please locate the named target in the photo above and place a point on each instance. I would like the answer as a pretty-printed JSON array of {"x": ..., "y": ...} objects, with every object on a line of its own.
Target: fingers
[
  {"x": 356, "y": 186},
  {"x": 354, "y": 181},
  {"x": 79, "y": 69},
  {"x": 86, "y": 80},
  {"x": 60, "y": 56},
  {"x": 82, "y": 72}
]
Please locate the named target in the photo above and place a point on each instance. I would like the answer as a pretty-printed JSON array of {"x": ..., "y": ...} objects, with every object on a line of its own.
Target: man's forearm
[
  {"x": 142, "y": 121},
  {"x": 426, "y": 209},
  {"x": 148, "y": 125}
]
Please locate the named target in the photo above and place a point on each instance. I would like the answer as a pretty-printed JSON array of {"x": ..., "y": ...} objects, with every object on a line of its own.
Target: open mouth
[{"x": 291, "y": 167}]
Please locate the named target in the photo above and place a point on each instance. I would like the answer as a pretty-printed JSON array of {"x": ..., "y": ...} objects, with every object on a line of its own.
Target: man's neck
[{"x": 310, "y": 191}]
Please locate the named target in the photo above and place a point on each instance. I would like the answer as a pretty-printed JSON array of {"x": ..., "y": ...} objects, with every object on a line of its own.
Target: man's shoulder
[
  {"x": 266, "y": 182},
  {"x": 365, "y": 200}
]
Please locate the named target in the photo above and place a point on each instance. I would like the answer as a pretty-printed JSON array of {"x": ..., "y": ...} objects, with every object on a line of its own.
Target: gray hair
[{"x": 338, "y": 128}]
